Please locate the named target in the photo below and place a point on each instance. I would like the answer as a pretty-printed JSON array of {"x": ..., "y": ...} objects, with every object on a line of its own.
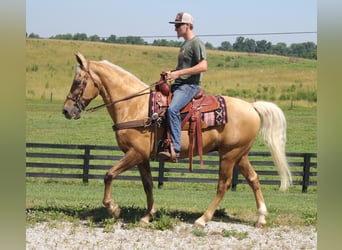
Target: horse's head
[{"x": 84, "y": 88}]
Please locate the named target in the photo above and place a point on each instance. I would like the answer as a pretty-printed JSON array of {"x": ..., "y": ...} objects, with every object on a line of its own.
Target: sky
[{"x": 215, "y": 21}]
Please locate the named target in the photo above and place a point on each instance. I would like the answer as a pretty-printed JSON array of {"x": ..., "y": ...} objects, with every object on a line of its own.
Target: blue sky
[{"x": 150, "y": 18}]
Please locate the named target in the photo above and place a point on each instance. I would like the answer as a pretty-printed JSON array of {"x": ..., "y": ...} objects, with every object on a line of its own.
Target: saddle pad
[{"x": 216, "y": 117}]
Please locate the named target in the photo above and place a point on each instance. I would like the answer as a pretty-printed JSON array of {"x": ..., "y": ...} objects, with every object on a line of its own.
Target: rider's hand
[{"x": 172, "y": 75}]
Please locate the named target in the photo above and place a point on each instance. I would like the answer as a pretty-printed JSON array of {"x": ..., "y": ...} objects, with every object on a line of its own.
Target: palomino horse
[{"x": 127, "y": 99}]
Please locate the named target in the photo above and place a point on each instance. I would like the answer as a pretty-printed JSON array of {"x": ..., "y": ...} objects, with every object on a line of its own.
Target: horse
[{"x": 126, "y": 99}]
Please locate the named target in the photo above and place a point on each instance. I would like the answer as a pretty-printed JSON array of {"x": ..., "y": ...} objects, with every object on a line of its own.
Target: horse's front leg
[
  {"x": 146, "y": 177},
  {"x": 130, "y": 160}
]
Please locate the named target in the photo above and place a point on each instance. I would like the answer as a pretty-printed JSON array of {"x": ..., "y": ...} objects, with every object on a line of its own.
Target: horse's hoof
[
  {"x": 260, "y": 224},
  {"x": 144, "y": 221},
  {"x": 117, "y": 212},
  {"x": 114, "y": 210},
  {"x": 199, "y": 224}
]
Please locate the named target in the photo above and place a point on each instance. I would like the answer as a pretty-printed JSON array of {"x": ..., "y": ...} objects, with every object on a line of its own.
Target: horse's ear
[{"x": 81, "y": 60}]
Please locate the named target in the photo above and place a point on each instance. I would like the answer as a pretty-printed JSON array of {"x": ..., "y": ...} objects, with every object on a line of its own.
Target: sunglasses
[{"x": 177, "y": 25}]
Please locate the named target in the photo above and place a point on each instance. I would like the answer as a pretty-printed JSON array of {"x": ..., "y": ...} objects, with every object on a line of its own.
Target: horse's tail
[{"x": 273, "y": 131}]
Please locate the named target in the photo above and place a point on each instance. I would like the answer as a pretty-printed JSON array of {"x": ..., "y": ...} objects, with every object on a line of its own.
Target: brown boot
[{"x": 166, "y": 156}]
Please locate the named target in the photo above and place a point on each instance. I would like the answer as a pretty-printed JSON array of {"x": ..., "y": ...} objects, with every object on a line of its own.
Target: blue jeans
[{"x": 182, "y": 95}]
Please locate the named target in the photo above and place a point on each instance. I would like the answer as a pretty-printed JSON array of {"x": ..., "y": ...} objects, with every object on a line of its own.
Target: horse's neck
[
  {"x": 118, "y": 84},
  {"x": 115, "y": 78}
]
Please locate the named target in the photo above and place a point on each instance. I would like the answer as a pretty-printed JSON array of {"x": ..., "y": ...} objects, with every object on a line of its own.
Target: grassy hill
[{"x": 50, "y": 68}]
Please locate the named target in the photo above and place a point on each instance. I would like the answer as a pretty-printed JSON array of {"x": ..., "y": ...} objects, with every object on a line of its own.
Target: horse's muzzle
[{"x": 71, "y": 112}]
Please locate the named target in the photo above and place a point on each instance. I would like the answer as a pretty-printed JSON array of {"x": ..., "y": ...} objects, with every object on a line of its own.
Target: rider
[{"x": 187, "y": 76}]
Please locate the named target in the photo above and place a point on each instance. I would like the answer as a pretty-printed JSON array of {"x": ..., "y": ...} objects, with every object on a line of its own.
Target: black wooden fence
[{"x": 92, "y": 161}]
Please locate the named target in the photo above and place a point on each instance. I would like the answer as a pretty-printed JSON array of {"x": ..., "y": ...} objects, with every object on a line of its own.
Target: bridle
[{"x": 77, "y": 99}]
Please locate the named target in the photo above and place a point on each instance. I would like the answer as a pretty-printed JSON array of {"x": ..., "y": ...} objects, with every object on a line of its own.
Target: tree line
[{"x": 305, "y": 50}]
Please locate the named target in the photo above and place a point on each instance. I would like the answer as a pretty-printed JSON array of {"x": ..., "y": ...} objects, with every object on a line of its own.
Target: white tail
[{"x": 273, "y": 131}]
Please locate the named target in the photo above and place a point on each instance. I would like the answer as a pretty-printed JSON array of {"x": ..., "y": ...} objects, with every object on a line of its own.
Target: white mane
[{"x": 123, "y": 70}]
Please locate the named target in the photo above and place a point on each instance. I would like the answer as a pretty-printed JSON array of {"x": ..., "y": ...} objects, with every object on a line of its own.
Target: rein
[
  {"x": 139, "y": 93},
  {"x": 129, "y": 124}
]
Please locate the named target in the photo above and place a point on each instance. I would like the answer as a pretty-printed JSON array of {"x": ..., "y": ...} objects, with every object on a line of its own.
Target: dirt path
[{"x": 216, "y": 235}]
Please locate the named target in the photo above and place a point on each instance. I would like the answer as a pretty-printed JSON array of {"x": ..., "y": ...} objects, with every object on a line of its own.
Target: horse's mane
[{"x": 124, "y": 71}]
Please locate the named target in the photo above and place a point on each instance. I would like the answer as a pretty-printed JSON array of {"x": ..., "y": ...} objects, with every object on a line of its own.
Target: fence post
[
  {"x": 161, "y": 174},
  {"x": 235, "y": 178},
  {"x": 86, "y": 164},
  {"x": 306, "y": 172}
]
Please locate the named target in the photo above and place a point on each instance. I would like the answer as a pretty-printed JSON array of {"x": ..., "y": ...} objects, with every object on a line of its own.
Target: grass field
[
  {"x": 50, "y": 67},
  {"x": 64, "y": 201},
  {"x": 49, "y": 71}
]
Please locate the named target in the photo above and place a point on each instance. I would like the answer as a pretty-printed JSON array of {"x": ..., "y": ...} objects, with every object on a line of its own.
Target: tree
[
  {"x": 67, "y": 36},
  {"x": 209, "y": 46},
  {"x": 249, "y": 45},
  {"x": 280, "y": 49},
  {"x": 111, "y": 39},
  {"x": 263, "y": 46},
  {"x": 160, "y": 42},
  {"x": 226, "y": 46},
  {"x": 80, "y": 37},
  {"x": 305, "y": 50},
  {"x": 239, "y": 44},
  {"x": 173, "y": 43},
  {"x": 32, "y": 35},
  {"x": 166, "y": 43},
  {"x": 135, "y": 40},
  {"x": 94, "y": 38}
]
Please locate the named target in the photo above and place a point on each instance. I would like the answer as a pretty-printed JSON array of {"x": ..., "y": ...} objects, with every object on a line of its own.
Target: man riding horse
[{"x": 187, "y": 75}]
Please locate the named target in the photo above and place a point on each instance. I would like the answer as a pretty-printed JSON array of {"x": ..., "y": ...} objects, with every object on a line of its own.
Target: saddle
[{"x": 191, "y": 117}]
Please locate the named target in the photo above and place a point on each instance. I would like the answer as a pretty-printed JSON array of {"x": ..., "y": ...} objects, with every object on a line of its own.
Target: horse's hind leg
[
  {"x": 146, "y": 177},
  {"x": 224, "y": 183},
  {"x": 252, "y": 178}
]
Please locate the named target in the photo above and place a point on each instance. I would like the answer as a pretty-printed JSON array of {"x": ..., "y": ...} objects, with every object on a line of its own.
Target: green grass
[
  {"x": 175, "y": 202},
  {"x": 46, "y": 123}
]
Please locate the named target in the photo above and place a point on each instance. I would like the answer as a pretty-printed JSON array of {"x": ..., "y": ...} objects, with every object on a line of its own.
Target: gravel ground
[{"x": 216, "y": 235}]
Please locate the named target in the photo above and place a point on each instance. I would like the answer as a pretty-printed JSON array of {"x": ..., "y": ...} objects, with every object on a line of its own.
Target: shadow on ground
[{"x": 130, "y": 214}]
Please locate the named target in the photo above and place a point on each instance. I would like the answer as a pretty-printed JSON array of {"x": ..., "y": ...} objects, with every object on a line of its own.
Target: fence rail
[{"x": 91, "y": 161}]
